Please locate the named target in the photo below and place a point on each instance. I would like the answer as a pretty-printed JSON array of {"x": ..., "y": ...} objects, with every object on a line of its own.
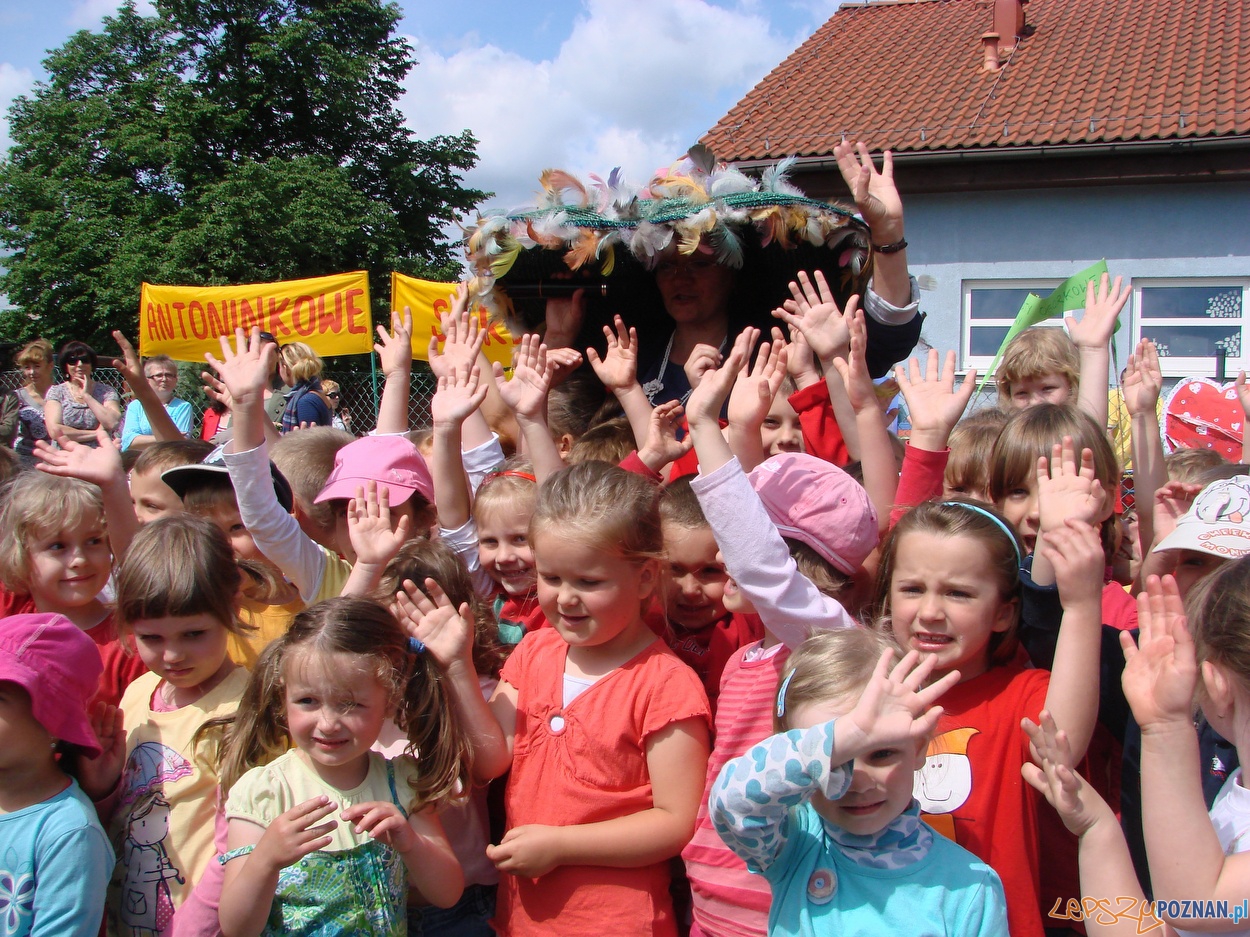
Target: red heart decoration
[{"x": 1200, "y": 414}]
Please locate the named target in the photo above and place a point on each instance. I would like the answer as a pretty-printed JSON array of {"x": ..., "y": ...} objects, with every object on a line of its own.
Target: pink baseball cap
[
  {"x": 816, "y": 502},
  {"x": 391, "y": 461},
  {"x": 50, "y": 658}
]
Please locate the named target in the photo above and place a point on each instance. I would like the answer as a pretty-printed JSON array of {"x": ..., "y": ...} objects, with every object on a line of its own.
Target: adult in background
[
  {"x": 333, "y": 394},
  {"x": 300, "y": 369},
  {"x": 78, "y": 406},
  {"x": 35, "y": 361},
  {"x": 162, "y": 375}
]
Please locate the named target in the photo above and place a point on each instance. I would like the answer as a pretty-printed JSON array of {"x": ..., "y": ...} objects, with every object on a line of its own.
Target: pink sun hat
[
  {"x": 50, "y": 658},
  {"x": 391, "y": 461},
  {"x": 816, "y": 502}
]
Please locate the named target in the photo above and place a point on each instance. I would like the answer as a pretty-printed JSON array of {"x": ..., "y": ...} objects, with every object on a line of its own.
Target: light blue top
[
  {"x": 905, "y": 879},
  {"x": 136, "y": 422},
  {"x": 55, "y": 865}
]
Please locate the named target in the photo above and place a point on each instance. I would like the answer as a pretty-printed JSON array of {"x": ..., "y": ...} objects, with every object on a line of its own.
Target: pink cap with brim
[
  {"x": 1218, "y": 522},
  {"x": 59, "y": 667},
  {"x": 391, "y": 461},
  {"x": 816, "y": 502}
]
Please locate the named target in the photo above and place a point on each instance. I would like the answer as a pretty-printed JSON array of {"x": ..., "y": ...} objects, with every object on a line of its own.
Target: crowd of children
[{"x": 703, "y": 674}]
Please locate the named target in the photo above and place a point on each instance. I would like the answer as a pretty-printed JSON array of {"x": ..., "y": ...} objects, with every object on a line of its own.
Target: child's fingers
[
  {"x": 419, "y": 599},
  {"x": 437, "y": 594},
  {"x": 312, "y": 810}
]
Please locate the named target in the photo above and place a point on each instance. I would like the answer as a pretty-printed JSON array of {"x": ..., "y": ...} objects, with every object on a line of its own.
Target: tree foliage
[{"x": 219, "y": 142}]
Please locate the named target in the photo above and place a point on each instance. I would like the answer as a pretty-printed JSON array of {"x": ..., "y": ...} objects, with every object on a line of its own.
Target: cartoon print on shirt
[{"x": 945, "y": 781}]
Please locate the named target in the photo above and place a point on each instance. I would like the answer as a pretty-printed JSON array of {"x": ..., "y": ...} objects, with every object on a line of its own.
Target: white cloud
[
  {"x": 633, "y": 85},
  {"x": 13, "y": 81},
  {"x": 87, "y": 14}
]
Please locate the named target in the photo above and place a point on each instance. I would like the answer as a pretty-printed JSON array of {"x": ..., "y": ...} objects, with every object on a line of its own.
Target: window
[
  {"x": 1193, "y": 323},
  {"x": 990, "y": 306}
]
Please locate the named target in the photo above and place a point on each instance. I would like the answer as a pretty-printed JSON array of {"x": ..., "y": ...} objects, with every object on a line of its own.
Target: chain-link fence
[{"x": 356, "y": 390}]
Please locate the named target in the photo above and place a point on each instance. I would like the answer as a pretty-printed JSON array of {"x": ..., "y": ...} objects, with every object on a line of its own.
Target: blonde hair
[
  {"x": 1034, "y": 352},
  {"x": 828, "y": 666},
  {"x": 971, "y": 442},
  {"x": 32, "y": 505},
  {"x": 301, "y": 361},
  {"x": 1192, "y": 465},
  {"x": 610, "y": 441},
  {"x": 305, "y": 460},
  {"x": 258, "y": 733},
  {"x": 603, "y": 506},
  {"x": 37, "y": 352},
  {"x": 508, "y": 489}
]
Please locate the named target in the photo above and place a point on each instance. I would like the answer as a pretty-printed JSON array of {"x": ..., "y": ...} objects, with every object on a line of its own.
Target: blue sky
[{"x": 584, "y": 85}]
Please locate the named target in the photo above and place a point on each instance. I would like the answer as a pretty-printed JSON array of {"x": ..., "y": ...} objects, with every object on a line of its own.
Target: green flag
[{"x": 1068, "y": 295}]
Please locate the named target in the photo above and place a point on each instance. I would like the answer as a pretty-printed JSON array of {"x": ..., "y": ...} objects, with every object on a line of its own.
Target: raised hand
[
  {"x": 1143, "y": 379},
  {"x": 564, "y": 319},
  {"x": 446, "y": 631},
  {"x": 1172, "y": 502},
  {"x": 374, "y": 534},
  {"x": 662, "y": 445},
  {"x": 617, "y": 370},
  {"x": 463, "y": 336},
  {"x": 129, "y": 365},
  {"x": 296, "y": 833},
  {"x": 853, "y": 370},
  {"x": 703, "y": 358},
  {"x": 896, "y": 707},
  {"x": 526, "y": 392},
  {"x": 933, "y": 401},
  {"x": 394, "y": 348},
  {"x": 757, "y": 385},
  {"x": 1161, "y": 669},
  {"x": 800, "y": 361},
  {"x": 98, "y": 776},
  {"x": 1102, "y": 309},
  {"x": 874, "y": 191},
  {"x": 563, "y": 361},
  {"x": 1066, "y": 491},
  {"x": 245, "y": 372},
  {"x": 813, "y": 311},
  {"x": 1055, "y": 778},
  {"x": 459, "y": 394},
  {"x": 709, "y": 394},
  {"x": 383, "y": 821},
  {"x": 98, "y": 465},
  {"x": 1076, "y": 555}
]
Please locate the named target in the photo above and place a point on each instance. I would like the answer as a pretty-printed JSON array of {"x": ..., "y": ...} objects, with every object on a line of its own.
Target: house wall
[{"x": 1190, "y": 230}]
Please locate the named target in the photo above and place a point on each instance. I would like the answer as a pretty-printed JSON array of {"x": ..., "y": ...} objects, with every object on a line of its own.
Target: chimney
[
  {"x": 989, "y": 46},
  {"x": 1008, "y": 23}
]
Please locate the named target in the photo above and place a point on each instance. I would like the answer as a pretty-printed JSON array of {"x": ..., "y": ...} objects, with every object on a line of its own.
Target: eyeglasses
[
  {"x": 696, "y": 267},
  {"x": 163, "y": 376}
]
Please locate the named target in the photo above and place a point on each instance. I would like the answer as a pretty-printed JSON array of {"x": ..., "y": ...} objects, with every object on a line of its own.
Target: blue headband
[
  {"x": 781, "y": 695},
  {"x": 998, "y": 522}
]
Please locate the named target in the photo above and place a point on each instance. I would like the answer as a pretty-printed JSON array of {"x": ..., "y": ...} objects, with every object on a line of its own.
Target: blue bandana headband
[
  {"x": 998, "y": 522},
  {"x": 781, "y": 695}
]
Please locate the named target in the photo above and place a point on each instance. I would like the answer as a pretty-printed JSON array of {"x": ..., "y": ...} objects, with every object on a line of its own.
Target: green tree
[{"x": 234, "y": 141}]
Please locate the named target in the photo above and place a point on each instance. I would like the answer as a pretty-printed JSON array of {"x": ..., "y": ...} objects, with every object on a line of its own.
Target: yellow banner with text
[
  {"x": 330, "y": 314},
  {"x": 428, "y": 300}
]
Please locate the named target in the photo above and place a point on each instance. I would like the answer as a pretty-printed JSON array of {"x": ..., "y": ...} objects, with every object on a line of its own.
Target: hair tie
[
  {"x": 781, "y": 695},
  {"x": 416, "y": 646},
  {"x": 977, "y": 509}
]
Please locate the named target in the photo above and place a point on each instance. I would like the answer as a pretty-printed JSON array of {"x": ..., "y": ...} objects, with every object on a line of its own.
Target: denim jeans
[{"x": 466, "y": 918}]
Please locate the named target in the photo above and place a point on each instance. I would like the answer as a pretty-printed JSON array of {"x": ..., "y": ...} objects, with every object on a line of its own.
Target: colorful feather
[
  {"x": 582, "y": 251},
  {"x": 556, "y": 182}
]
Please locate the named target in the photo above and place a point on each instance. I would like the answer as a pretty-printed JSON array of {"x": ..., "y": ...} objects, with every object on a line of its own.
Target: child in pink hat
[{"x": 55, "y": 861}]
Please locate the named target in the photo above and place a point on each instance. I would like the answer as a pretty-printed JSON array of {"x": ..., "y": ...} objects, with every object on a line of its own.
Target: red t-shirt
[
  {"x": 584, "y": 763},
  {"x": 971, "y": 790},
  {"x": 707, "y": 650}
]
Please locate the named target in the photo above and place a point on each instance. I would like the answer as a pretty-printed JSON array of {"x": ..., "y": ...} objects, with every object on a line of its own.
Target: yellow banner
[
  {"x": 330, "y": 314},
  {"x": 428, "y": 300}
]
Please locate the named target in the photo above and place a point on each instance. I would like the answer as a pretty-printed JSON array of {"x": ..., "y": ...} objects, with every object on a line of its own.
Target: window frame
[
  {"x": 1174, "y": 366},
  {"x": 1042, "y": 286}
]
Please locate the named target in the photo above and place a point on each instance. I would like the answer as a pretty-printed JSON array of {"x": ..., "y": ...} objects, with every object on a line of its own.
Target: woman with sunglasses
[
  {"x": 76, "y": 407},
  {"x": 340, "y": 417}
]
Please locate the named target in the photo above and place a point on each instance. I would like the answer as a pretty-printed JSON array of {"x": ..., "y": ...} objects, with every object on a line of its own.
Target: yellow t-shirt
[{"x": 167, "y": 801}]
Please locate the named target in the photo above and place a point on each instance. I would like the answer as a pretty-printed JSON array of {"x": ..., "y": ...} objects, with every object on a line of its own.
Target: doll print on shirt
[
  {"x": 146, "y": 907},
  {"x": 945, "y": 781}
]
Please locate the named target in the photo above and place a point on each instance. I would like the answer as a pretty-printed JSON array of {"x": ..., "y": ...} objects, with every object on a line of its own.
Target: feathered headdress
[{"x": 696, "y": 204}]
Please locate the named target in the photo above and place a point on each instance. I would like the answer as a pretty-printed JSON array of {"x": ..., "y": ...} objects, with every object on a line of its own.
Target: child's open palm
[
  {"x": 853, "y": 370},
  {"x": 617, "y": 370},
  {"x": 934, "y": 404},
  {"x": 244, "y": 369},
  {"x": 896, "y": 707},
  {"x": 1161, "y": 669},
  {"x": 1102, "y": 309},
  {"x": 1065, "y": 490},
  {"x": 1143, "y": 379},
  {"x": 757, "y": 385},
  {"x": 394, "y": 348},
  {"x": 460, "y": 392},
  {"x": 1076, "y": 555},
  {"x": 98, "y": 464},
  {"x": 375, "y": 535},
  {"x": 462, "y": 336},
  {"x": 98, "y": 776},
  {"x": 662, "y": 445},
  {"x": 813, "y": 311},
  {"x": 708, "y": 396},
  {"x": 526, "y": 392},
  {"x": 446, "y": 631},
  {"x": 1055, "y": 777}
]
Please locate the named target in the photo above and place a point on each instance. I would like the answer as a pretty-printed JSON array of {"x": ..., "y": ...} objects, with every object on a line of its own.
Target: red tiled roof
[{"x": 908, "y": 76}]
